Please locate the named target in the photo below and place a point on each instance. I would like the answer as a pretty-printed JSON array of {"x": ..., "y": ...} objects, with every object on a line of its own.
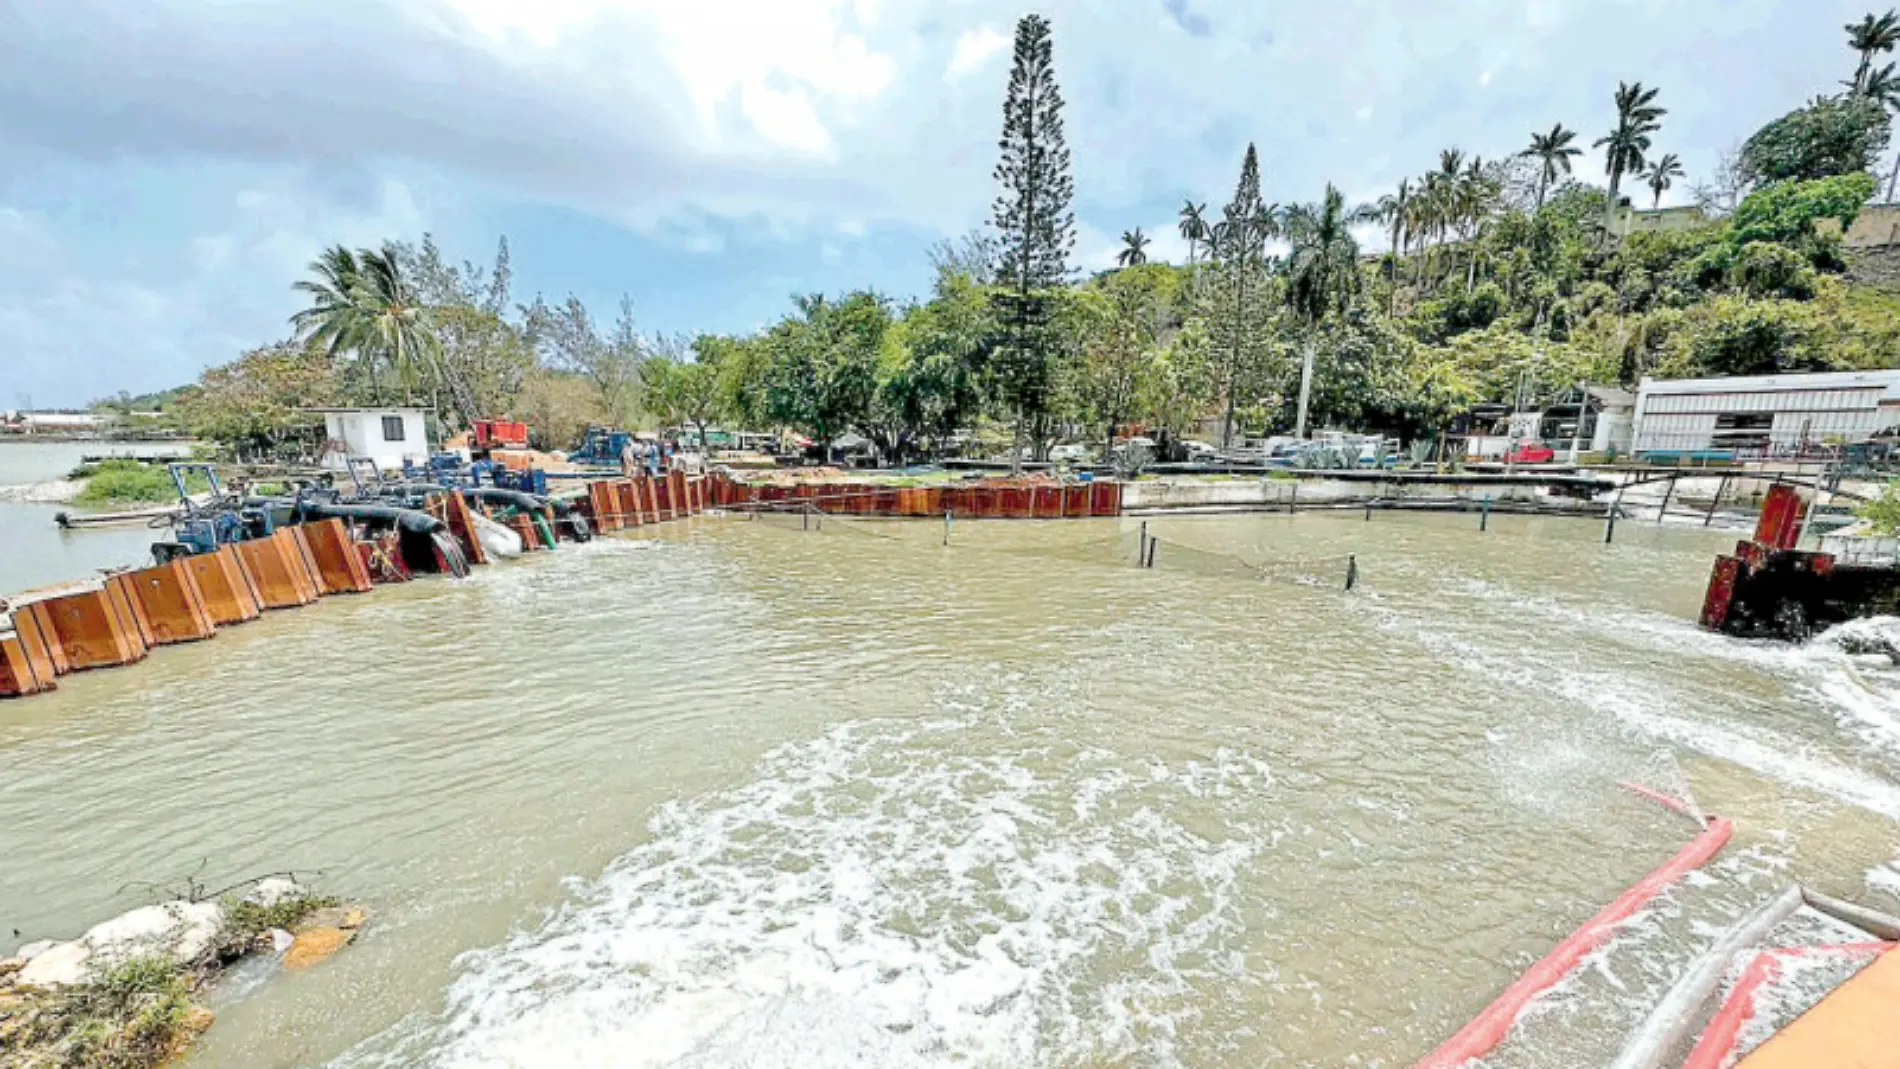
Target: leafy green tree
[
  {"x": 567, "y": 339},
  {"x": 256, "y": 408},
  {"x": 1830, "y": 136},
  {"x": 1127, "y": 315},
  {"x": 685, "y": 392},
  {"x": 949, "y": 339},
  {"x": 1787, "y": 212},
  {"x": 1322, "y": 273},
  {"x": 1552, "y": 152},
  {"x": 1637, "y": 117},
  {"x": 1034, "y": 225},
  {"x": 825, "y": 363}
]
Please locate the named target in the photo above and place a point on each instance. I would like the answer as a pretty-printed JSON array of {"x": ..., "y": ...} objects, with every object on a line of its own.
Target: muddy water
[{"x": 749, "y": 795}]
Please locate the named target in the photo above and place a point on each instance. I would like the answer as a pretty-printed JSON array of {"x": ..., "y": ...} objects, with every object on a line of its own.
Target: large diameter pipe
[
  {"x": 1675, "y": 1017},
  {"x": 407, "y": 519},
  {"x": 1489, "y": 1028}
]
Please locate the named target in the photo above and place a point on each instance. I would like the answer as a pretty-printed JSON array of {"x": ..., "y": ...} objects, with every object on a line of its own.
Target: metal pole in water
[
  {"x": 807, "y": 519},
  {"x": 946, "y": 527},
  {"x": 1609, "y": 531},
  {"x": 1141, "y": 547},
  {"x": 1484, "y": 514},
  {"x": 1668, "y": 492},
  {"x": 1716, "y": 500},
  {"x": 1152, "y": 543},
  {"x": 1352, "y": 570}
]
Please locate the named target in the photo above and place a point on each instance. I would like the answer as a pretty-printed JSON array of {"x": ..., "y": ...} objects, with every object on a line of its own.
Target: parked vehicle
[{"x": 1532, "y": 453}]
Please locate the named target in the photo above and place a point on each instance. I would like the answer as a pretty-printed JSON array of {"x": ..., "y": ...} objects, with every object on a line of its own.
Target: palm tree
[
  {"x": 1135, "y": 248},
  {"x": 1870, "y": 37},
  {"x": 1474, "y": 195},
  {"x": 1194, "y": 227},
  {"x": 1322, "y": 272},
  {"x": 334, "y": 319},
  {"x": 1661, "y": 175},
  {"x": 1395, "y": 210},
  {"x": 1636, "y": 119},
  {"x": 1553, "y": 152}
]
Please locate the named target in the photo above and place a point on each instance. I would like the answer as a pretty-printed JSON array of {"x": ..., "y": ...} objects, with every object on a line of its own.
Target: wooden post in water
[
  {"x": 1152, "y": 543},
  {"x": 1484, "y": 514},
  {"x": 946, "y": 527},
  {"x": 1352, "y": 570},
  {"x": 1141, "y": 547}
]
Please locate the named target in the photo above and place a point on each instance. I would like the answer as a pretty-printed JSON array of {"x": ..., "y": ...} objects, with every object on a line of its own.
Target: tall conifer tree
[{"x": 1035, "y": 227}]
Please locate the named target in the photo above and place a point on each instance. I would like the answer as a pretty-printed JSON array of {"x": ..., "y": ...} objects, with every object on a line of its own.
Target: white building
[
  {"x": 1765, "y": 415},
  {"x": 386, "y": 435}
]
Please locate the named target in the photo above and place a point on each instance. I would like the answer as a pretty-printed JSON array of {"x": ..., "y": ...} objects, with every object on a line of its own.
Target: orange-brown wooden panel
[
  {"x": 302, "y": 563},
  {"x": 125, "y": 599},
  {"x": 229, "y": 597},
  {"x": 275, "y": 573},
  {"x": 339, "y": 566},
  {"x": 17, "y": 676},
  {"x": 172, "y": 603},
  {"x": 92, "y": 630},
  {"x": 1075, "y": 500},
  {"x": 1105, "y": 498},
  {"x": 39, "y": 644}
]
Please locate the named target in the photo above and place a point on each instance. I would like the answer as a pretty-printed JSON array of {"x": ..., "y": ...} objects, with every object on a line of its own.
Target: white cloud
[{"x": 972, "y": 49}]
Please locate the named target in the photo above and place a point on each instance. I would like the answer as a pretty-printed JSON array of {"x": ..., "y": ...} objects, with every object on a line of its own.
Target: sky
[{"x": 169, "y": 167}]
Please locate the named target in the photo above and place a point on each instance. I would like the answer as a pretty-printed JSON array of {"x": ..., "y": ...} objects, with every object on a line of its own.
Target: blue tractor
[
  {"x": 602, "y": 447},
  {"x": 218, "y": 520}
]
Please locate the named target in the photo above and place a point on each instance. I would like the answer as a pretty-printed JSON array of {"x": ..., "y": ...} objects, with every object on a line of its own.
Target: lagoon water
[
  {"x": 736, "y": 793},
  {"x": 34, "y": 552}
]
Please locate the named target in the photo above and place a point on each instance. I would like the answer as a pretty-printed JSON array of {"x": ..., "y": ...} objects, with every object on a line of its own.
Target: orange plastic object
[{"x": 1853, "y": 1028}]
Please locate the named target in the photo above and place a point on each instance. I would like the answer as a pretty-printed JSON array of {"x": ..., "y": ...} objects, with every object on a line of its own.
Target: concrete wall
[
  {"x": 362, "y": 436},
  {"x": 1279, "y": 493}
]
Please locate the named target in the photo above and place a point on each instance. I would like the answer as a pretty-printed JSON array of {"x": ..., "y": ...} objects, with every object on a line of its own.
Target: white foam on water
[{"x": 873, "y": 898}]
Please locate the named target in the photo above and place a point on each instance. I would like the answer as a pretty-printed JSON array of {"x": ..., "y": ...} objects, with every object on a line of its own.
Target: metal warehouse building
[{"x": 1764, "y": 414}]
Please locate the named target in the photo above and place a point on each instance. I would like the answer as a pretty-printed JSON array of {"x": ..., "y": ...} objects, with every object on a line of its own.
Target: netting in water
[{"x": 1331, "y": 570}]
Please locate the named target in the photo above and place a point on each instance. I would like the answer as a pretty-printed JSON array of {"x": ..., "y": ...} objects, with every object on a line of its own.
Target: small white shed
[{"x": 386, "y": 435}]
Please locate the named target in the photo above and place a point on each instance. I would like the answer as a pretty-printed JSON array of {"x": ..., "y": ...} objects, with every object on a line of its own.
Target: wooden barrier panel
[
  {"x": 1046, "y": 502},
  {"x": 340, "y": 567},
  {"x": 1105, "y": 499},
  {"x": 453, "y": 510},
  {"x": 650, "y": 489},
  {"x": 229, "y": 594},
  {"x": 676, "y": 493},
  {"x": 603, "y": 506},
  {"x": 173, "y": 604},
  {"x": 303, "y": 569},
  {"x": 277, "y": 574},
  {"x": 1075, "y": 500},
  {"x": 125, "y": 599},
  {"x": 17, "y": 675},
  {"x": 34, "y": 628},
  {"x": 92, "y": 630}
]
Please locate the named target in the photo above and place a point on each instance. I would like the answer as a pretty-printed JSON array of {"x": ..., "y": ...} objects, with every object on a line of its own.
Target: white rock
[
  {"x": 276, "y": 889},
  {"x": 182, "y": 931},
  {"x": 62, "y": 963},
  {"x": 34, "y": 950},
  {"x": 281, "y": 940}
]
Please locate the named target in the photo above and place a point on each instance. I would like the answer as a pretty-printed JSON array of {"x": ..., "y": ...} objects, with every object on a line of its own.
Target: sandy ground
[{"x": 50, "y": 492}]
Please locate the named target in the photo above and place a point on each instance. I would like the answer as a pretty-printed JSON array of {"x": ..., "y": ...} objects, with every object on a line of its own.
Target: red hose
[
  {"x": 1488, "y": 1029},
  {"x": 1718, "y": 1040},
  {"x": 1674, "y": 805}
]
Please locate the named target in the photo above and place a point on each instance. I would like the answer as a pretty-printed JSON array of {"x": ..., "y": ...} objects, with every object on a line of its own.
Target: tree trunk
[
  {"x": 1016, "y": 448},
  {"x": 1306, "y": 383},
  {"x": 1609, "y": 215},
  {"x": 1891, "y": 182}
]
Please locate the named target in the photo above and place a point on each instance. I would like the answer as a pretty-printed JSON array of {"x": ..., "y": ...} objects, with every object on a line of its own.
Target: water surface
[{"x": 735, "y": 793}]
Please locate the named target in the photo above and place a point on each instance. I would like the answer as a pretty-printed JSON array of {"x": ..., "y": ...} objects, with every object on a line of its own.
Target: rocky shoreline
[
  {"x": 49, "y": 492},
  {"x": 123, "y": 994}
]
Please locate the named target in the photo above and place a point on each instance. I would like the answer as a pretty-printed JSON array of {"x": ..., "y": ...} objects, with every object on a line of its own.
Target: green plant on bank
[
  {"x": 128, "y": 482},
  {"x": 130, "y": 1015},
  {"x": 246, "y": 921},
  {"x": 1883, "y": 512}
]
